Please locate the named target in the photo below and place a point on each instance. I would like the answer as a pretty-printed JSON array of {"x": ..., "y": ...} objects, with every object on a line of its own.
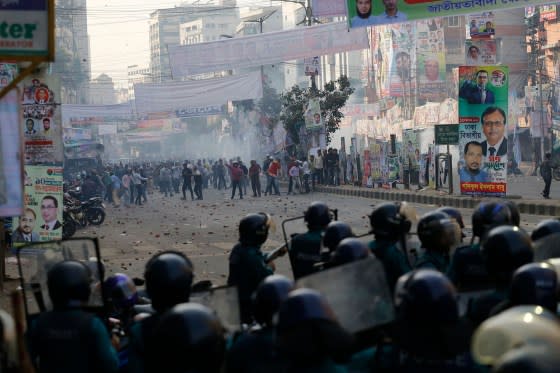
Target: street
[{"x": 207, "y": 230}]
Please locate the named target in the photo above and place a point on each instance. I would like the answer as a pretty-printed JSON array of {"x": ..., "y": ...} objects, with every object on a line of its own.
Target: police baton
[{"x": 276, "y": 253}]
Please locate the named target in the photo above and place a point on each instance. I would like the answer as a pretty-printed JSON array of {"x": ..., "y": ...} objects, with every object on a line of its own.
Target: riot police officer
[
  {"x": 255, "y": 351},
  {"x": 505, "y": 249},
  {"x": 68, "y": 339},
  {"x": 438, "y": 233},
  {"x": 248, "y": 266},
  {"x": 349, "y": 250},
  {"x": 544, "y": 228},
  {"x": 189, "y": 338},
  {"x": 335, "y": 232},
  {"x": 309, "y": 337},
  {"x": 169, "y": 276},
  {"x": 305, "y": 249},
  {"x": 390, "y": 224},
  {"x": 467, "y": 269},
  {"x": 454, "y": 214}
]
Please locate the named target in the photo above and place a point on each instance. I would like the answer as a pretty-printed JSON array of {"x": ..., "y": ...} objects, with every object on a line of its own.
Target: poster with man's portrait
[
  {"x": 483, "y": 142},
  {"x": 41, "y": 219}
]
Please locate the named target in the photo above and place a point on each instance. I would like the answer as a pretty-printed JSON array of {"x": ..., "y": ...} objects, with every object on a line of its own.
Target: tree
[
  {"x": 332, "y": 98},
  {"x": 269, "y": 108}
]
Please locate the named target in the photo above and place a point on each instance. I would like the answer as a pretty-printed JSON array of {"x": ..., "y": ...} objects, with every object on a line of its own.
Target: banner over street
[
  {"x": 177, "y": 96},
  {"x": 265, "y": 49}
]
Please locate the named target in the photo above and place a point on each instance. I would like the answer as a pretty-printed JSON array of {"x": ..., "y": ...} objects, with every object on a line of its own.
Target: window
[{"x": 453, "y": 21}]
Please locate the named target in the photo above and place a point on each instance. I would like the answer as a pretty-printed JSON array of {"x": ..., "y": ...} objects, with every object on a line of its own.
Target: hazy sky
[{"x": 118, "y": 31}]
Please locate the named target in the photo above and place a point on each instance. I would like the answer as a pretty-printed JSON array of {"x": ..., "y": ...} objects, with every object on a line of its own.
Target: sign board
[
  {"x": 27, "y": 32},
  {"x": 447, "y": 134}
]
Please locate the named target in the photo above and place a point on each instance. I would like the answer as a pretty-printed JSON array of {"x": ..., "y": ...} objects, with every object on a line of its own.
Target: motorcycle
[{"x": 78, "y": 214}]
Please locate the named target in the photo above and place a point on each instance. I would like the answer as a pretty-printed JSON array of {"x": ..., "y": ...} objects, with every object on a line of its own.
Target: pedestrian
[
  {"x": 126, "y": 183},
  {"x": 197, "y": 177},
  {"x": 236, "y": 174},
  {"x": 138, "y": 187},
  {"x": 187, "y": 175},
  {"x": 546, "y": 174}
]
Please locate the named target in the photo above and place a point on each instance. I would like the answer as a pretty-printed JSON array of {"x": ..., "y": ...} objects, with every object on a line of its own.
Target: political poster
[
  {"x": 481, "y": 26},
  {"x": 430, "y": 58},
  {"x": 363, "y": 13},
  {"x": 312, "y": 66},
  {"x": 313, "y": 118},
  {"x": 402, "y": 80},
  {"x": 41, "y": 219},
  {"x": 42, "y": 121},
  {"x": 480, "y": 52},
  {"x": 483, "y": 143}
]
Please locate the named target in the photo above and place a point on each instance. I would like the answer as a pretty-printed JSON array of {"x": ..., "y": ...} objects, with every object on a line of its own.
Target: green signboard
[{"x": 447, "y": 134}]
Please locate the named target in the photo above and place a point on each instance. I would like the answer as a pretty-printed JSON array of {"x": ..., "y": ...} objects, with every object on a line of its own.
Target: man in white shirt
[{"x": 318, "y": 167}]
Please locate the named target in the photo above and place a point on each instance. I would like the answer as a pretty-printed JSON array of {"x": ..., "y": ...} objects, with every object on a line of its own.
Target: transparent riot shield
[
  {"x": 36, "y": 259},
  {"x": 224, "y": 300},
  {"x": 547, "y": 247},
  {"x": 357, "y": 292}
]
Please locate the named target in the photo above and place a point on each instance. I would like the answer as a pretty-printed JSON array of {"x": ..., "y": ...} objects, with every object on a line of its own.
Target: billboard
[
  {"x": 481, "y": 26},
  {"x": 480, "y": 52},
  {"x": 483, "y": 143},
  {"x": 430, "y": 59},
  {"x": 313, "y": 118}
]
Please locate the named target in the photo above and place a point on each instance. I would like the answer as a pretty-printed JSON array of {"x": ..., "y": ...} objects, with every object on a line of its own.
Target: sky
[{"x": 118, "y": 31}]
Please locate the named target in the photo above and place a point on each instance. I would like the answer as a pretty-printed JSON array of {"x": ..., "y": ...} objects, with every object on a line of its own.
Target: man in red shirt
[
  {"x": 273, "y": 172},
  {"x": 236, "y": 178}
]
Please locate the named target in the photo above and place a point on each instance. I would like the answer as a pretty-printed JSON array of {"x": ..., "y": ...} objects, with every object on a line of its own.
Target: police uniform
[
  {"x": 305, "y": 251},
  {"x": 247, "y": 268},
  {"x": 393, "y": 259},
  {"x": 430, "y": 259},
  {"x": 71, "y": 340}
]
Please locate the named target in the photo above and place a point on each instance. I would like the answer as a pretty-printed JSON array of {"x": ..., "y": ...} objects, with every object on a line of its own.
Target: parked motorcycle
[{"x": 79, "y": 214}]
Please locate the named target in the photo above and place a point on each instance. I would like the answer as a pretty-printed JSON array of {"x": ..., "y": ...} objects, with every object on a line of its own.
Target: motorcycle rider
[
  {"x": 505, "y": 249},
  {"x": 310, "y": 339},
  {"x": 69, "y": 339},
  {"x": 189, "y": 338},
  {"x": 247, "y": 264},
  {"x": 255, "y": 351},
  {"x": 305, "y": 248},
  {"x": 467, "y": 270},
  {"x": 438, "y": 234},
  {"x": 169, "y": 277},
  {"x": 390, "y": 225}
]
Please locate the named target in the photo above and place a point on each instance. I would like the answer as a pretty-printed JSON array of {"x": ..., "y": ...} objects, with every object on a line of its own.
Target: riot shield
[
  {"x": 357, "y": 292},
  {"x": 224, "y": 300},
  {"x": 36, "y": 259},
  {"x": 547, "y": 247}
]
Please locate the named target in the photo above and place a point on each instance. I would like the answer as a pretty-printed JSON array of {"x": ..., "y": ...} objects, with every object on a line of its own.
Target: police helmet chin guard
[{"x": 254, "y": 228}]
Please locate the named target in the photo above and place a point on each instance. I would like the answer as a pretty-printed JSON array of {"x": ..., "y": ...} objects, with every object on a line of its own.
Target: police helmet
[
  {"x": 514, "y": 328},
  {"x": 120, "y": 290},
  {"x": 505, "y": 249},
  {"x": 317, "y": 215},
  {"x": 253, "y": 229},
  {"x": 268, "y": 297},
  {"x": 453, "y": 214},
  {"x": 350, "y": 250},
  {"x": 69, "y": 283},
  {"x": 169, "y": 277},
  {"x": 438, "y": 232},
  {"x": 425, "y": 296},
  {"x": 544, "y": 228},
  {"x": 8, "y": 343},
  {"x": 335, "y": 232},
  {"x": 189, "y": 338},
  {"x": 390, "y": 220},
  {"x": 489, "y": 215},
  {"x": 535, "y": 283},
  {"x": 303, "y": 305}
]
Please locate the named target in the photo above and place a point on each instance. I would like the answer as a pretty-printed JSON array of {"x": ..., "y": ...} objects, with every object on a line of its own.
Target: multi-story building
[
  {"x": 165, "y": 32},
  {"x": 73, "y": 63},
  {"x": 102, "y": 91},
  {"x": 137, "y": 74}
]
